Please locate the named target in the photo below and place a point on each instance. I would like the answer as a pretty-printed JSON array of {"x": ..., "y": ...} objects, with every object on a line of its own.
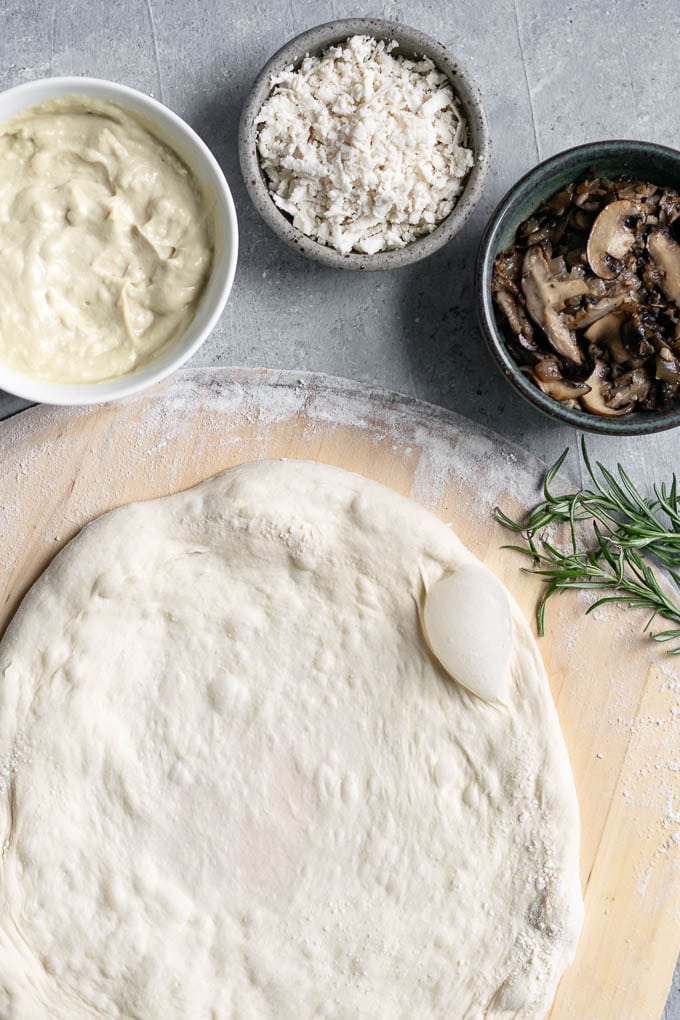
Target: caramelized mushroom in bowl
[{"x": 578, "y": 281}]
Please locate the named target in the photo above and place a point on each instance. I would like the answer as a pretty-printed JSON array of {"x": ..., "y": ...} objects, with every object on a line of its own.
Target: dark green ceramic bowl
[{"x": 649, "y": 162}]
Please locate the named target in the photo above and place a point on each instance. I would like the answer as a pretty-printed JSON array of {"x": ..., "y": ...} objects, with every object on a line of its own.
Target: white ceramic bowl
[{"x": 172, "y": 130}]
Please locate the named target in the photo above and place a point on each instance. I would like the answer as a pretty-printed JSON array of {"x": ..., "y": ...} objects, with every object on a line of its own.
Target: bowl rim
[
  {"x": 317, "y": 39},
  {"x": 581, "y": 154},
  {"x": 179, "y": 350}
]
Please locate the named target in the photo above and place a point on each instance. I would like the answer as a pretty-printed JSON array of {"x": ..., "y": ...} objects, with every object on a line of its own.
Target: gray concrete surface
[{"x": 553, "y": 75}]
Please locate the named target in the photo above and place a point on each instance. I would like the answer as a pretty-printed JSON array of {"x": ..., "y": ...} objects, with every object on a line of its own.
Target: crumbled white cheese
[{"x": 365, "y": 150}]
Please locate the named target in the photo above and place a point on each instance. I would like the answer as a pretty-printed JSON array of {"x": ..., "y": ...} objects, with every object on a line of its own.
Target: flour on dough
[{"x": 235, "y": 784}]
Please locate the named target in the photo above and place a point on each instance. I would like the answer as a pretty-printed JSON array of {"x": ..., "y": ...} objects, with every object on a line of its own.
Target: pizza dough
[{"x": 235, "y": 784}]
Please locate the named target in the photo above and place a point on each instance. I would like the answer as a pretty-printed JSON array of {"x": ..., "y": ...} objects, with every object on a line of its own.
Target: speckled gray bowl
[
  {"x": 410, "y": 43},
  {"x": 645, "y": 160}
]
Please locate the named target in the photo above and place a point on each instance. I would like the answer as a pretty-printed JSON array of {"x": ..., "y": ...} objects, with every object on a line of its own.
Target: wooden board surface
[{"x": 618, "y": 698}]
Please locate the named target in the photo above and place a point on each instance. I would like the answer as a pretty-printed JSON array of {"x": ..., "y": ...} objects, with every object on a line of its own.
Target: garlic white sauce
[{"x": 105, "y": 242}]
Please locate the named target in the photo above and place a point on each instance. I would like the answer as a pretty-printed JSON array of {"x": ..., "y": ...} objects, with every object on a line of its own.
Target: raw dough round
[{"x": 235, "y": 784}]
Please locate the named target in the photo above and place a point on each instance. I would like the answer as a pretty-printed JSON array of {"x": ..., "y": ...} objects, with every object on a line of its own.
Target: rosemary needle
[{"x": 631, "y": 534}]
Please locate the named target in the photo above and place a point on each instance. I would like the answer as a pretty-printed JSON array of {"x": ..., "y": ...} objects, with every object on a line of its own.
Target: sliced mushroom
[
  {"x": 651, "y": 276},
  {"x": 666, "y": 255},
  {"x": 548, "y": 376},
  {"x": 545, "y": 294},
  {"x": 640, "y": 332},
  {"x": 606, "y": 332},
  {"x": 667, "y": 393},
  {"x": 597, "y": 310},
  {"x": 594, "y": 279},
  {"x": 517, "y": 320},
  {"x": 629, "y": 388},
  {"x": 667, "y": 366},
  {"x": 595, "y": 399},
  {"x": 589, "y": 194},
  {"x": 507, "y": 269},
  {"x": 537, "y": 231},
  {"x": 557, "y": 266},
  {"x": 583, "y": 220},
  {"x": 673, "y": 320},
  {"x": 611, "y": 236},
  {"x": 669, "y": 207},
  {"x": 635, "y": 189},
  {"x": 560, "y": 202}
]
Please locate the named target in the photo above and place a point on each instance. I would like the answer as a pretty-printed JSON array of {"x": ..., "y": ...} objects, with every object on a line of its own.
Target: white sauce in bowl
[{"x": 106, "y": 242}]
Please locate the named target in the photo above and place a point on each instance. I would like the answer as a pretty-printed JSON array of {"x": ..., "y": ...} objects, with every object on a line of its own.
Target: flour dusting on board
[
  {"x": 456, "y": 450},
  {"x": 213, "y": 407}
]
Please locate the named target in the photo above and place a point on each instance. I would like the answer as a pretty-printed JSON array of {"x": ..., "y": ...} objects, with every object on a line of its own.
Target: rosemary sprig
[{"x": 630, "y": 533}]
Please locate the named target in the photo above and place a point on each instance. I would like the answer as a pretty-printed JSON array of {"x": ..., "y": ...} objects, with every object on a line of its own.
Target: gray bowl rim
[
  {"x": 583, "y": 156},
  {"x": 315, "y": 40}
]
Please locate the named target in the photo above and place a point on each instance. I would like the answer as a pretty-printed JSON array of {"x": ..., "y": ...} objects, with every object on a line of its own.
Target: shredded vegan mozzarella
[{"x": 365, "y": 150}]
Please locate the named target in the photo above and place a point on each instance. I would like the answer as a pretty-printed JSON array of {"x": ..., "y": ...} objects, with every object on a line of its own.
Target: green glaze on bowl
[{"x": 644, "y": 160}]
